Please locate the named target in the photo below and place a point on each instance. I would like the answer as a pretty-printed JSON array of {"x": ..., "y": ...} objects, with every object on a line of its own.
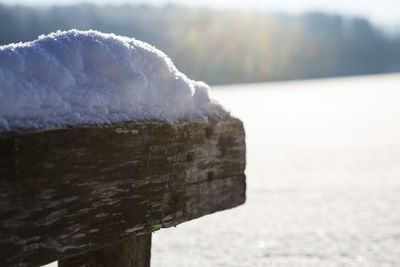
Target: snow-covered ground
[
  {"x": 83, "y": 77},
  {"x": 323, "y": 180}
]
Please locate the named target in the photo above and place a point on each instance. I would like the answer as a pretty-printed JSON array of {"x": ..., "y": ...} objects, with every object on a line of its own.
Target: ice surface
[
  {"x": 323, "y": 180},
  {"x": 84, "y": 77}
]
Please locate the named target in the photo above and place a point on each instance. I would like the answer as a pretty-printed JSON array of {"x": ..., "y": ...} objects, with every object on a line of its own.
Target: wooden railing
[{"x": 93, "y": 194}]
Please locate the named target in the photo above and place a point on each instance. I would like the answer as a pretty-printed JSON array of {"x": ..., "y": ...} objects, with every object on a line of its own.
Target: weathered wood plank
[
  {"x": 134, "y": 251},
  {"x": 67, "y": 191}
]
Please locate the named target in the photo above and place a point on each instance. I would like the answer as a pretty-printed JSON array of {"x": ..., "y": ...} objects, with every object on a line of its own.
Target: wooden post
[{"x": 131, "y": 252}]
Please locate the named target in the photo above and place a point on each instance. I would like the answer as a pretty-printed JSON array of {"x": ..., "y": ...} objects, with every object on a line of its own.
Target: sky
[{"x": 381, "y": 12}]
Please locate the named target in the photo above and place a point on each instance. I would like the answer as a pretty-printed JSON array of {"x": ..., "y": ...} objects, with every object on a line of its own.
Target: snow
[{"x": 87, "y": 77}]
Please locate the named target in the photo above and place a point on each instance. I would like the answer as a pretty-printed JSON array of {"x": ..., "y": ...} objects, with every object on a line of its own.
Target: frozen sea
[{"x": 323, "y": 178}]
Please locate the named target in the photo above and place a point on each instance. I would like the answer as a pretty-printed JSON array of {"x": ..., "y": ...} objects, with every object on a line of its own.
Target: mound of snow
[{"x": 86, "y": 77}]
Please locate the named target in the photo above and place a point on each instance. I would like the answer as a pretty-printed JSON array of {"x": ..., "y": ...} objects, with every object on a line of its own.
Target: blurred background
[
  {"x": 224, "y": 42},
  {"x": 323, "y": 159}
]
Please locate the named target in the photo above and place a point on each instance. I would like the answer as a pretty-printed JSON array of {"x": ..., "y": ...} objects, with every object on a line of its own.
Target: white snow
[{"x": 87, "y": 77}]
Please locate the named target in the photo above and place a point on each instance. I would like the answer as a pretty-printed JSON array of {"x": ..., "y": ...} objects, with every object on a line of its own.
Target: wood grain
[{"x": 67, "y": 191}]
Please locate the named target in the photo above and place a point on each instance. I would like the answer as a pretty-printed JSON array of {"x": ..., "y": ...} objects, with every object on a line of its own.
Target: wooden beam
[{"x": 67, "y": 191}]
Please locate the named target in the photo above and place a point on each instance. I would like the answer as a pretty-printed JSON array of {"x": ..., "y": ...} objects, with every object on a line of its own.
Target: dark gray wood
[
  {"x": 131, "y": 252},
  {"x": 68, "y": 191}
]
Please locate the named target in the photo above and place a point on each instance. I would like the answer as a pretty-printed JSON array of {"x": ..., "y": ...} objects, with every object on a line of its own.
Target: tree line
[{"x": 229, "y": 46}]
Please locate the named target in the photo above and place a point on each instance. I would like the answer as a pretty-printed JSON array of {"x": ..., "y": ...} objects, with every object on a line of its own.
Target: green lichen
[
  {"x": 154, "y": 223},
  {"x": 167, "y": 197}
]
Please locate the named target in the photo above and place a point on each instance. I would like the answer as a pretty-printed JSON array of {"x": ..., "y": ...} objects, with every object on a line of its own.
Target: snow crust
[{"x": 87, "y": 77}]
